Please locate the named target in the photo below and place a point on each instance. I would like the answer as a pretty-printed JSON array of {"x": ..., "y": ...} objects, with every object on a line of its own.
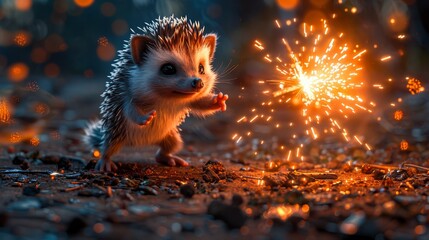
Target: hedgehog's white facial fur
[{"x": 177, "y": 82}]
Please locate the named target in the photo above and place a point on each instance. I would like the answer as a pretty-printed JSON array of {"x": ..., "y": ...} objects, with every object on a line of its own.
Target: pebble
[
  {"x": 231, "y": 215},
  {"x": 187, "y": 190}
]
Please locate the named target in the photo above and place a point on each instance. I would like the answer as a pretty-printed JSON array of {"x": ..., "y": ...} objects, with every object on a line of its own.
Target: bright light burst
[{"x": 322, "y": 73}]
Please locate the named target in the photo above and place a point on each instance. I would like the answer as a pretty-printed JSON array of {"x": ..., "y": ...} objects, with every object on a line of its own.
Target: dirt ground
[{"x": 48, "y": 192}]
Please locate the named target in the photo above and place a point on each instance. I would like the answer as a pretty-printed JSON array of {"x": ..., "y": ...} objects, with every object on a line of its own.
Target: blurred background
[{"x": 55, "y": 56}]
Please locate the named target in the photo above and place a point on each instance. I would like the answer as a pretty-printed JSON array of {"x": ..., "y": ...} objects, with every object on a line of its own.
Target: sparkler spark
[{"x": 322, "y": 74}]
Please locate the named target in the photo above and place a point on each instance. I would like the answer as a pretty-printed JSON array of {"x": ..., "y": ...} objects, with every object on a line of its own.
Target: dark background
[{"x": 64, "y": 50}]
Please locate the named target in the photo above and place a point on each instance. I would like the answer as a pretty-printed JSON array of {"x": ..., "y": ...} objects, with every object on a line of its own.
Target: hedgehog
[{"x": 163, "y": 74}]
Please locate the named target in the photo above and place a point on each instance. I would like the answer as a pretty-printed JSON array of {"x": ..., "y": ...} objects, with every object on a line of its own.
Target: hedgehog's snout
[{"x": 197, "y": 83}]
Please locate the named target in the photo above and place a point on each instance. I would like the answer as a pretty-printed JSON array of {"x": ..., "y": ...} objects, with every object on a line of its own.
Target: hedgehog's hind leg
[
  {"x": 171, "y": 144},
  {"x": 105, "y": 164}
]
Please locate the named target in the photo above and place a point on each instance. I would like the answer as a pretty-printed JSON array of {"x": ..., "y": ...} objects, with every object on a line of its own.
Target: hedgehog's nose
[{"x": 197, "y": 83}]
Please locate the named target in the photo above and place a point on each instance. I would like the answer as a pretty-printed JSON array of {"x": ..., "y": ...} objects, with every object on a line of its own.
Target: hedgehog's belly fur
[{"x": 154, "y": 132}]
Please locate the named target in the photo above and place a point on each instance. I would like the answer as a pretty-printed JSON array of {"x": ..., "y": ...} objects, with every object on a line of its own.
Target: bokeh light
[
  {"x": 83, "y": 3},
  {"x": 35, "y": 141},
  {"x": 398, "y": 21},
  {"x": 15, "y": 137},
  {"x": 22, "y": 38},
  {"x": 319, "y": 3},
  {"x": 414, "y": 86},
  {"x": 108, "y": 9},
  {"x": 41, "y": 108},
  {"x": 103, "y": 41},
  {"x": 23, "y": 5},
  {"x": 398, "y": 115},
  {"x": 39, "y": 55},
  {"x": 106, "y": 53},
  {"x": 403, "y": 145},
  {"x": 119, "y": 27},
  {"x": 313, "y": 17},
  {"x": 17, "y": 72},
  {"x": 52, "y": 70},
  {"x": 4, "y": 111},
  {"x": 287, "y": 4},
  {"x": 55, "y": 43}
]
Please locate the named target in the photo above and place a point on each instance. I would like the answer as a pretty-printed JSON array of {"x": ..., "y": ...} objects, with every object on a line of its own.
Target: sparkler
[{"x": 322, "y": 74}]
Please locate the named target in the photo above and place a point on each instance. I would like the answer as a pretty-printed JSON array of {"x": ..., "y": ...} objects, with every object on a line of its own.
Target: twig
[
  {"x": 72, "y": 189},
  {"x": 415, "y": 166}
]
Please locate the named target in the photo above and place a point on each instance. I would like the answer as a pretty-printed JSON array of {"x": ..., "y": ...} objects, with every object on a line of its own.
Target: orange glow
[
  {"x": 319, "y": 3},
  {"x": 414, "y": 86},
  {"x": 41, "y": 108},
  {"x": 15, "y": 137},
  {"x": 106, "y": 53},
  {"x": 119, "y": 27},
  {"x": 103, "y": 41},
  {"x": 287, "y": 4},
  {"x": 52, "y": 70},
  {"x": 96, "y": 154},
  {"x": 320, "y": 73},
  {"x": 398, "y": 21},
  {"x": 17, "y": 72},
  {"x": 404, "y": 145},
  {"x": 35, "y": 141},
  {"x": 98, "y": 227},
  {"x": 84, "y": 3},
  {"x": 398, "y": 115},
  {"x": 23, "y": 5},
  {"x": 4, "y": 111},
  {"x": 39, "y": 55},
  {"x": 22, "y": 39},
  {"x": 55, "y": 43},
  {"x": 108, "y": 9},
  {"x": 313, "y": 17}
]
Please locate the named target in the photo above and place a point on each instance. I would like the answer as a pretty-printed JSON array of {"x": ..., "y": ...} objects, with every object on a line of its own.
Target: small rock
[
  {"x": 237, "y": 200},
  {"x": 231, "y": 215},
  {"x": 187, "y": 190},
  {"x": 398, "y": 174},
  {"x": 148, "y": 190},
  {"x": 31, "y": 190},
  {"x": 75, "y": 226},
  {"x": 295, "y": 197},
  {"x": 18, "y": 160},
  {"x": 25, "y": 165}
]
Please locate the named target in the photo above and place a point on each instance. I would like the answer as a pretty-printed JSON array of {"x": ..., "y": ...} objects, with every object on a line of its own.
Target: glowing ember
[
  {"x": 35, "y": 141},
  {"x": 103, "y": 41},
  {"x": 4, "y": 111},
  {"x": 96, "y": 154},
  {"x": 414, "y": 86},
  {"x": 398, "y": 115},
  {"x": 404, "y": 145},
  {"x": 15, "y": 137},
  {"x": 321, "y": 74}
]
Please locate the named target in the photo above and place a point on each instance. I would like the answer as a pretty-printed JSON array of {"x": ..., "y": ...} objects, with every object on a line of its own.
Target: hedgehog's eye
[
  {"x": 168, "y": 69},
  {"x": 201, "y": 69}
]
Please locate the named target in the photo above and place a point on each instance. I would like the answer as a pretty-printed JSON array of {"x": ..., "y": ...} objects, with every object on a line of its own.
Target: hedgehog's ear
[
  {"x": 140, "y": 47},
  {"x": 210, "y": 41}
]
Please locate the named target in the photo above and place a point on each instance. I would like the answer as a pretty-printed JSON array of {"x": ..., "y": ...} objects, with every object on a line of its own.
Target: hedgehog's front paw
[
  {"x": 105, "y": 166},
  {"x": 220, "y": 101},
  {"x": 170, "y": 160},
  {"x": 146, "y": 119}
]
